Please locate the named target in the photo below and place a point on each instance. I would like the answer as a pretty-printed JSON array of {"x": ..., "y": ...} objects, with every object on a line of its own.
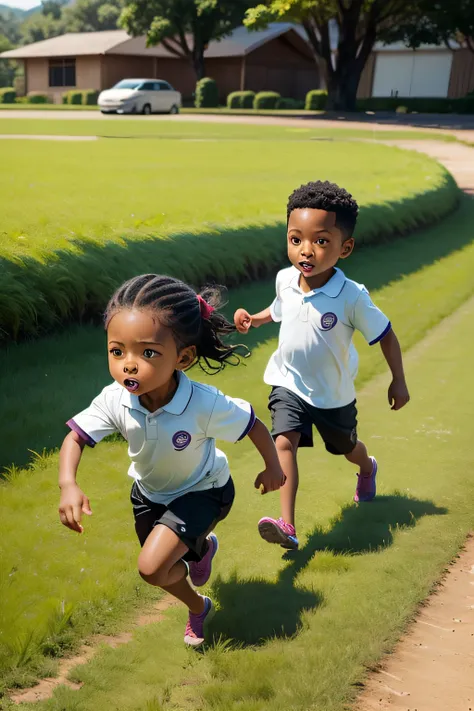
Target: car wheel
[
  {"x": 174, "y": 109},
  {"x": 146, "y": 109}
]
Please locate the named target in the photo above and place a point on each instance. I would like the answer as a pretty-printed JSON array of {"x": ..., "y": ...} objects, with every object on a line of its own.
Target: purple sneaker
[
  {"x": 366, "y": 487},
  {"x": 278, "y": 531},
  {"x": 200, "y": 571},
  {"x": 194, "y": 633}
]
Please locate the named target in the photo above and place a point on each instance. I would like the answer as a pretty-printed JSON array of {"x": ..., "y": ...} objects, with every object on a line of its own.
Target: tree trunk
[
  {"x": 197, "y": 60},
  {"x": 342, "y": 84}
]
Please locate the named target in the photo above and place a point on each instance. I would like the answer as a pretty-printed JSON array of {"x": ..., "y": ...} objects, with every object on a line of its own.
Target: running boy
[
  {"x": 157, "y": 327},
  {"x": 313, "y": 370}
]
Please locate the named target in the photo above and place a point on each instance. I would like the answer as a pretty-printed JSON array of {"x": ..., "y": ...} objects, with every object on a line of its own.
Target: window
[
  {"x": 147, "y": 86},
  {"x": 164, "y": 86},
  {"x": 62, "y": 72},
  {"x": 128, "y": 84}
]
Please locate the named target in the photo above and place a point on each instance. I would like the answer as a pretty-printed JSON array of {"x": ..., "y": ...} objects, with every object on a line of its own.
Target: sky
[{"x": 23, "y": 4}]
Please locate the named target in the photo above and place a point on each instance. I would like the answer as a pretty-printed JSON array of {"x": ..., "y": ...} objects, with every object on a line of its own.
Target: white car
[{"x": 140, "y": 96}]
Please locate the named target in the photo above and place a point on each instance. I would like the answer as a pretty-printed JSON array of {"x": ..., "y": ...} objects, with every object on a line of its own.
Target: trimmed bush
[
  {"x": 266, "y": 100},
  {"x": 7, "y": 95},
  {"x": 240, "y": 100},
  {"x": 316, "y": 100},
  {"x": 89, "y": 97},
  {"x": 207, "y": 95},
  {"x": 65, "y": 97},
  {"x": 74, "y": 97},
  {"x": 37, "y": 97}
]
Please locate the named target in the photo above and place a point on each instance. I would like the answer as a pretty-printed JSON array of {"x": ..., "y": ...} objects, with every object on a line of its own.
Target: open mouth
[
  {"x": 306, "y": 267},
  {"x": 131, "y": 384}
]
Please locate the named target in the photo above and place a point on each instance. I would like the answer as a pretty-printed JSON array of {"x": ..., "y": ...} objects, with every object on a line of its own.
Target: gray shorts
[{"x": 337, "y": 426}]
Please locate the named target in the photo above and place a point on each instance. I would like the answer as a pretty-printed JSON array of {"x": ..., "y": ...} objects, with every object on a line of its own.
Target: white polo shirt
[
  {"x": 316, "y": 358},
  {"x": 173, "y": 450}
]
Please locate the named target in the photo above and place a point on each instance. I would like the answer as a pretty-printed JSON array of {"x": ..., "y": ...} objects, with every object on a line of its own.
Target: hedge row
[
  {"x": 464, "y": 105},
  {"x": 75, "y": 284},
  {"x": 84, "y": 97}
]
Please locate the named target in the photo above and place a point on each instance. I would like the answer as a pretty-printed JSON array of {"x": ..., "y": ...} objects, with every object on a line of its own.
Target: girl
[{"x": 157, "y": 327}]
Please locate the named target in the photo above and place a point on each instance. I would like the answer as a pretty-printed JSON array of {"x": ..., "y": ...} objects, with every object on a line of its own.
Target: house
[
  {"x": 430, "y": 71},
  {"x": 278, "y": 59}
]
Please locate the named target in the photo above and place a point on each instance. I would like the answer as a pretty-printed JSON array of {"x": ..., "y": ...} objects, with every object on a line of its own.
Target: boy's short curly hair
[{"x": 327, "y": 196}]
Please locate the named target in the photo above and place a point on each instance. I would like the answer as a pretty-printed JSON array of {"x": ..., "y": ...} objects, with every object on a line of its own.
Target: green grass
[
  {"x": 46, "y": 107},
  {"x": 73, "y": 362},
  {"x": 123, "y": 126},
  {"x": 224, "y": 195},
  {"x": 58, "y": 588},
  {"x": 292, "y": 633}
]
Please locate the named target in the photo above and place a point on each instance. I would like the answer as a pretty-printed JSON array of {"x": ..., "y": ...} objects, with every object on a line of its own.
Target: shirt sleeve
[
  {"x": 275, "y": 306},
  {"x": 231, "y": 419},
  {"x": 95, "y": 422},
  {"x": 369, "y": 319}
]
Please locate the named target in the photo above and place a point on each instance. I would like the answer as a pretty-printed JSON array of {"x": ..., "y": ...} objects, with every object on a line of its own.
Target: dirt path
[{"x": 432, "y": 668}]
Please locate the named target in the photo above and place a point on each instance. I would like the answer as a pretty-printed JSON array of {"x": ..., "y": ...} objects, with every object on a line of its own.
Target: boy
[{"x": 313, "y": 370}]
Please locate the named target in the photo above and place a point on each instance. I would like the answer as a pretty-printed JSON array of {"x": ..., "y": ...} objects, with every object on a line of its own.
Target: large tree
[
  {"x": 92, "y": 15},
  {"x": 184, "y": 27},
  {"x": 437, "y": 22},
  {"x": 360, "y": 23}
]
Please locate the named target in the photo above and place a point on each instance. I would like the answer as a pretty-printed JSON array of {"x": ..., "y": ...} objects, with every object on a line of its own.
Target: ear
[
  {"x": 347, "y": 248},
  {"x": 186, "y": 358}
]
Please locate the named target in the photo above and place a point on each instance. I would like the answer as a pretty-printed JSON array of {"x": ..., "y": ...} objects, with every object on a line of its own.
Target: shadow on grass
[{"x": 254, "y": 611}]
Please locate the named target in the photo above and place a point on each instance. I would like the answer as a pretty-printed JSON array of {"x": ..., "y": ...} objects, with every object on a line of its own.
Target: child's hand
[
  {"x": 398, "y": 395},
  {"x": 242, "y": 320},
  {"x": 72, "y": 505},
  {"x": 270, "y": 480}
]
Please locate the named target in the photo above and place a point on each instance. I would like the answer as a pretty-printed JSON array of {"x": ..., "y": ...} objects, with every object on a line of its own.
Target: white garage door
[{"x": 412, "y": 74}]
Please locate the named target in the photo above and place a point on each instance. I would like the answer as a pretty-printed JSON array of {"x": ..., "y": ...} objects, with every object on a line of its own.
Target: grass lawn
[
  {"x": 331, "y": 613},
  {"x": 150, "y": 187},
  {"x": 219, "y": 192}
]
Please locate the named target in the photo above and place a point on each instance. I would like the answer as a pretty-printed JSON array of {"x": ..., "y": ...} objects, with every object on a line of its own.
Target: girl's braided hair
[{"x": 192, "y": 322}]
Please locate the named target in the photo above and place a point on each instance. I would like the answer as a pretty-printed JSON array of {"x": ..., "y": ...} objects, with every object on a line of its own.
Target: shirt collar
[
  {"x": 331, "y": 288},
  {"x": 177, "y": 404}
]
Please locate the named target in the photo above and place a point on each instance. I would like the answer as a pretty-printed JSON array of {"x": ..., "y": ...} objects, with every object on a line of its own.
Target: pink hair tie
[{"x": 206, "y": 309}]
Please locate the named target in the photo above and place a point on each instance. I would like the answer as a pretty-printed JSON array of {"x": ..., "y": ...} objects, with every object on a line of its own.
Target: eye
[
  {"x": 295, "y": 240},
  {"x": 321, "y": 241},
  {"x": 116, "y": 352},
  {"x": 150, "y": 353}
]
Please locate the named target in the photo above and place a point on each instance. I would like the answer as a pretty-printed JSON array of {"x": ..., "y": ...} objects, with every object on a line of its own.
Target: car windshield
[{"x": 128, "y": 84}]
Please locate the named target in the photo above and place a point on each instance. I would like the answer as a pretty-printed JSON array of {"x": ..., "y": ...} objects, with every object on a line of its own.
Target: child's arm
[
  {"x": 398, "y": 395},
  {"x": 272, "y": 478},
  {"x": 73, "y": 501},
  {"x": 243, "y": 320}
]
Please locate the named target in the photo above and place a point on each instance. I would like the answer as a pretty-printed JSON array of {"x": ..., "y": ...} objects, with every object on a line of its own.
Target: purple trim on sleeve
[
  {"x": 384, "y": 333},
  {"x": 251, "y": 423},
  {"x": 83, "y": 435}
]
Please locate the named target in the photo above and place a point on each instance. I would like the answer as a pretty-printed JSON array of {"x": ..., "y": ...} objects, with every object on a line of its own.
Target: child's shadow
[{"x": 254, "y": 610}]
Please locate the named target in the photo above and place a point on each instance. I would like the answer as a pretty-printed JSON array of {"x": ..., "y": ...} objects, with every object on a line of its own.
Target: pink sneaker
[
  {"x": 278, "y": 531},
  {"x": 194, "y": 633},
  {"x": 200, "y": 571},
  {"x": 366, "y": 485}
]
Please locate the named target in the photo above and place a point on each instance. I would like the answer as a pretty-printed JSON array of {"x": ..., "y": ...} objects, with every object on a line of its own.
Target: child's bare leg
[
  {"x": 287, "y": 448},
  {"x": 360, "y": 457},
  {"x": 160, "y": 564}
]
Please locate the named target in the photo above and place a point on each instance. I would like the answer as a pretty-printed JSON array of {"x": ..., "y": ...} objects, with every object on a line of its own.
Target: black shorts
[
  {"x": 337, "y": 426},
  {"x": 192, "y": 516}
]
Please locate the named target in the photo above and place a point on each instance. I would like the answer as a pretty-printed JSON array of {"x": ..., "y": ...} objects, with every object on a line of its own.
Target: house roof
[{"x": 239, "y": 43}]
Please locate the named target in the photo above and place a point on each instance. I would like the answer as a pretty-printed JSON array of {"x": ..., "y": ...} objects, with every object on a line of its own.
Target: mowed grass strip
[
  {"x": 57, "y": 588},
  {"x": 298, "y": 632},
  {"x": 163, "y": 127},
  {"x": 61, "y": 373},
  {"x": 195, "y": 209}
]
